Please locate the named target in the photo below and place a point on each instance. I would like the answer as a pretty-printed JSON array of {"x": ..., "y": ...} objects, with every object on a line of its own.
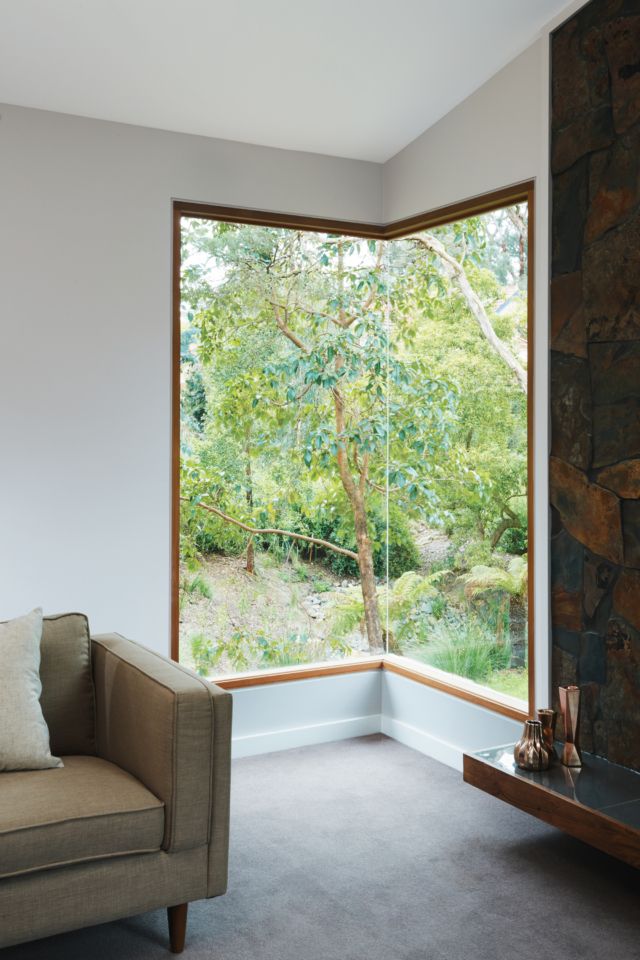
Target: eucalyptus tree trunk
[{"x": 355, "y": 493}]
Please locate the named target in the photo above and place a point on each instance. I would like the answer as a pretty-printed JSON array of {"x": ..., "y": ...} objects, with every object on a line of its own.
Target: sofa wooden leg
[{"x": 177, "y": 917}]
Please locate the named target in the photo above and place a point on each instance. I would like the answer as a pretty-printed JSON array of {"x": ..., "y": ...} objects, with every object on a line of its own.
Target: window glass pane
[
  {"x": 459, "y": 312},
  {"x": 283, "y": 446},
  {"x": 354, "y": 448}
]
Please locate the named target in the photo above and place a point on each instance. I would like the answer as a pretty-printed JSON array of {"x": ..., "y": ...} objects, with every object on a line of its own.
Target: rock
[
  {"x": 570, "y": 401},
  {"x": 623, "y": 479},
  {"x": 566, "y": 640},
  {"x": 592, "y": 664},
  {"x": 567, "y": 610},
  {"x": 589, "y": 709},
  {"x": 615, "y": 381},
  {"x": 622, "y": 50},
  {"x": 626, "y": 597},
  {"x": 568, "y": 326},
  {"x": 619, "y": 636},
  {"x": 631, "y": 532},
  {"x": 616, "y": 432},
  {"x": 569, "y": 215},
  {"x": 611, "y": 292},
  {"x": 597, "y": 579},
  {"x": 615, "y": 371},
  {"x": 590, "y": 513},
  {"x": 567, "y": 562},
  {"x": 585, "y": 134},
  {"x": 569, "y": 78},
  {"x": 620, "y": 705},
  {"x": 614, "y": 186}
]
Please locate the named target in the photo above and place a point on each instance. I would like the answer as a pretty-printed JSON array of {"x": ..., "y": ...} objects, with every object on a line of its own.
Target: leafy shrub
[
  {"x": 514, "y": 540},
  {"x": 202, "y": 653},
  {"x": 245, "y": 651},
  {"x": 214, "y": 535},
  {"x": 336, "y": 525},
  {"x": 411, "y": 599},
  {"x": 464, "y": 647},
  {"x": 194, "y": 401},
  {"x": 198, "y": 586}
]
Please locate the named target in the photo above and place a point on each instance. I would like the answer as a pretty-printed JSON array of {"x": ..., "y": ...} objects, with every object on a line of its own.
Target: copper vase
[
  {"x": 548, "y": 720},
  {"x": 530, "y": 752},
  {"x": 570, "y": 709}
]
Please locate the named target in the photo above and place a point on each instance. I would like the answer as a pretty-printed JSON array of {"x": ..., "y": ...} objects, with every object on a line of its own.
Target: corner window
[{"x": 353, "y": 447}]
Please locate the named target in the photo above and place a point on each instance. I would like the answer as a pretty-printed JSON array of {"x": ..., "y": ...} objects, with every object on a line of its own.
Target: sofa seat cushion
[{"x": 87, "y": 810}]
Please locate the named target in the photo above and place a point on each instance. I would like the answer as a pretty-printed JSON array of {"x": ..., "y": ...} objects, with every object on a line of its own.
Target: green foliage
[
  {"x": 198, "y": 585},
  {"x": 243, "y": 651},
  {"x": 193, "y": 402},
  {"x": 409, "y": 599},
  {"x": 347, "y": 613},
  {"x": 332, "y": 521},
  {"x": 202, "y": 654},
  {"x": 484, "y": 579},
  {"x": 515, "y": 539},
  {"x": 464, "y": 647},
  {"x": 515, "y": 683}
]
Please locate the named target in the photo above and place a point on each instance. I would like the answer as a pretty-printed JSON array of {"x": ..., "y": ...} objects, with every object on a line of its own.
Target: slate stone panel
[{"x": 595, "y": 371}]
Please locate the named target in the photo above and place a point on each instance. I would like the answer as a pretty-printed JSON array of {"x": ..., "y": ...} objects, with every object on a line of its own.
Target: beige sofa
[{"x": 138, "y": 817}]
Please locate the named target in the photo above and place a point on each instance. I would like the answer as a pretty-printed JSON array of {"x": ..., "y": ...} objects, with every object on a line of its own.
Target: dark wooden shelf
[{"x": 598, "y": 803}]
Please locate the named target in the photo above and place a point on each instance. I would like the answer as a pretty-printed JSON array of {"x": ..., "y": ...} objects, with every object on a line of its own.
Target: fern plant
[
  {"x": 506, "y": 583},
  {"x": 409, "y": 599}
]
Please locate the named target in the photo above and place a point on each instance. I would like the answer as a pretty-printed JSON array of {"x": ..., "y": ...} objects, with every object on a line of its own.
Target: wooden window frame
[{"x": 485, "y": 203}]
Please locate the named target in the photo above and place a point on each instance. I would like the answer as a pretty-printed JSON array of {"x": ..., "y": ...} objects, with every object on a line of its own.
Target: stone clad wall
[{"x": 595, "y": 371}]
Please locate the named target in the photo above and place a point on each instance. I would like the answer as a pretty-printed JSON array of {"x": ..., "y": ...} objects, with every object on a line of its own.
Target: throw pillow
[{"x": 24, "y": 735}]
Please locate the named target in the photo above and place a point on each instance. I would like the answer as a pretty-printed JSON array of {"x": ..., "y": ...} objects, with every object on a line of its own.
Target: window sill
[{"x": 403, "y": 666}]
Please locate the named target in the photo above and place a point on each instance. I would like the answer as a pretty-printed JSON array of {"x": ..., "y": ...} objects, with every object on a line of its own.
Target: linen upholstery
[
  {"x": 221, "y": 789},
  {"x": 51, "y": 901},
  {"x": 172, "y": 751},
  {"x": 67, "y": 684},
  {"x": 168, "y": 705},
  {"x": 87, "y": 810},
  {"x": 24, "y": 736},
  {"x": 170, "y": 730}
]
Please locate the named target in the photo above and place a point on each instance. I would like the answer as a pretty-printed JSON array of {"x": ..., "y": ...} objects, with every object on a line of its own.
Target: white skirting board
[
  {"x": 280, "y": 716},
  {"x": 253, "y": 744},
  {"x": 422, "y": 741}
]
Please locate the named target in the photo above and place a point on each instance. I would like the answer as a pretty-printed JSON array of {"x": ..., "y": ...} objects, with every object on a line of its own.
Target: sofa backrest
[{"x": 68, "y": 701}]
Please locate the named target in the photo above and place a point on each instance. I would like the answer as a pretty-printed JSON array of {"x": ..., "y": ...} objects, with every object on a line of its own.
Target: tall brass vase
[
  {"x": 570, "y": 709},
  {"x": 530, "y": 752}
]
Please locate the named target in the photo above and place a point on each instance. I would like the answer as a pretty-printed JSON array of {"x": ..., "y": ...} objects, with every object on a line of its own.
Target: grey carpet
[{"x": 366, "y": 850}]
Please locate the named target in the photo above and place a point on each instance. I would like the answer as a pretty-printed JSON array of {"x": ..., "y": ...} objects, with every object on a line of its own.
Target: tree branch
[
  {"x": 505, "y": 524},
  {"x": 475, "y": 305},
  {"x": 282, "y": 326},
  {"x": 517, "y": 220},
  {"x": 257, "y": 531}
]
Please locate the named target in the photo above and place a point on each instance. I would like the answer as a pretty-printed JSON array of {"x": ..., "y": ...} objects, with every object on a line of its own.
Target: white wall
[
  {"x": 437, "y": 724},
  {"x": 279, "y": 716},
  {"x": 496, "y": 138},
  {"x": 85, "y": 326},
  {"x": 491, "y": 140}
]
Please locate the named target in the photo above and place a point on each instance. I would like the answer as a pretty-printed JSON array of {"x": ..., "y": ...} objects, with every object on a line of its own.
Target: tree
[
  {"x": 457, "y": 286},
  {"x": 321, "y": 304}
]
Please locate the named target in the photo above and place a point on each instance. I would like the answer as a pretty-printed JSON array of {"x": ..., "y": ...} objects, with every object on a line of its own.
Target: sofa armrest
[{"x": 172, "y": 730}]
